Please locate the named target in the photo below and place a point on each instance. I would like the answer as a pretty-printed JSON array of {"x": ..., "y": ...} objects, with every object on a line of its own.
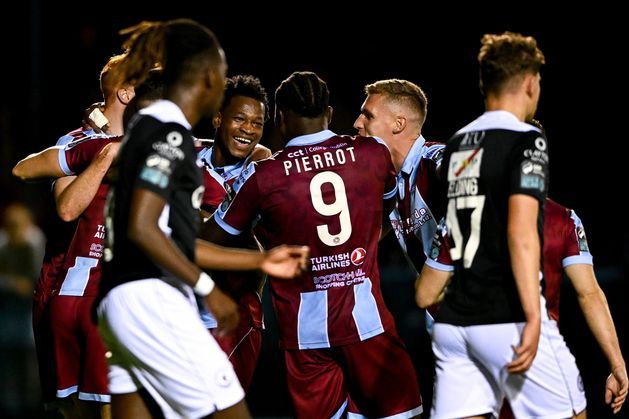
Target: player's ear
[
  {"x": 217, "y": 120},
  {"x": 278, "y": 118},
  {"x": 328, "y": 114},
  {"x": 125, "y": 94},
  {"x": 530, "y": 83},
  {"x": 399, "y": 124}
]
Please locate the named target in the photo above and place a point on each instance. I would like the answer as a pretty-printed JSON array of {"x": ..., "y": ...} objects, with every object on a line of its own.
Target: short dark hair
[
  {"x": 504, "y": 56},
  {"x": 304, "y": 93},
  {"x": 247, "y": 86}
]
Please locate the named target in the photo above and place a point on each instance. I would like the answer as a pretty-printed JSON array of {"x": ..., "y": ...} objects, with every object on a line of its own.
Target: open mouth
[{"x": 243, "y": 141}]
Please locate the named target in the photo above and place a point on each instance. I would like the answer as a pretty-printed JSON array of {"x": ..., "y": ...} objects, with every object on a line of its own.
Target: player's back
[
  {"x": 324, "y": 191},
  {"x": 484, "y": 164}
]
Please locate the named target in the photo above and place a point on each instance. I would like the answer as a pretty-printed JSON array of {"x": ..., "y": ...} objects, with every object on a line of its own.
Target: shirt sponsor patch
[
  {"x": 465, "y": 164},
  {"x": 583, "y": 242},
  {"x": 532, "y": 182},
  {"x": 154, "y": 176}
]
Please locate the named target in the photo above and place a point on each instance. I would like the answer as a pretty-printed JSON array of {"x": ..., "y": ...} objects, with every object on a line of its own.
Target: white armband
[{"x": 204, "y": 285}]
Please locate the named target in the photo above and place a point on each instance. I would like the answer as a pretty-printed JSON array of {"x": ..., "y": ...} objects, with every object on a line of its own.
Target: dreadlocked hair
[
  {"x": 180, "y": 47},
  {"x": 304, "y": 93}
]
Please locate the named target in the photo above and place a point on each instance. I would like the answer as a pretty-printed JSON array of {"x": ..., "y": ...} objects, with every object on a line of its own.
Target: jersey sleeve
[
  {"x": 75, "y": 157},
  {"x": 164, "y": 154},
  {"x": 529, "y": 170},
  {"x": 576, "y": 249},
  {"x": 439, "y": 257},
  {"x": 237, "y": 214},
  {"x": 390, "y": 182}
]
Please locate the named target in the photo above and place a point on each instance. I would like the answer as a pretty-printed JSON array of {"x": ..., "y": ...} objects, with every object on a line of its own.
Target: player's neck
[
  {"x": 221, "y": 158},
  {"x": 114, "y": 114},
  {"x": 510, "y": 103}
]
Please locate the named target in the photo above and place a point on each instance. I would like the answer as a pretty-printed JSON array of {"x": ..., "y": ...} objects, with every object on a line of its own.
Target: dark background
[{"x": 49, "y": 74}]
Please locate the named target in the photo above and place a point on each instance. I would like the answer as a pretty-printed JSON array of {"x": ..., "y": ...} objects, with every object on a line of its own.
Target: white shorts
[
  {"x": 471, "y": 377},
  {"x": 156, "y": 341}
]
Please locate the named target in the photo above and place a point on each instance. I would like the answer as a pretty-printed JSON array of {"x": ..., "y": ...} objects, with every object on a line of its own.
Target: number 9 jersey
[
  {"x": 325, "y": 191},
  {"x": 486, "y": 162}
]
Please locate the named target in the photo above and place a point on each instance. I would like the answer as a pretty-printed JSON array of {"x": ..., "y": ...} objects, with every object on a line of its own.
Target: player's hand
[
  {"x": 286, "y": 262},
  {"x": 616, "y": 388},
  {"x": 224, "y": 310},
  {"x": 260, "y": 152},
  {"x": 525, "y": 353},
  {"x": 88, "y": 123},
  {"x": 110, "y": 151}
]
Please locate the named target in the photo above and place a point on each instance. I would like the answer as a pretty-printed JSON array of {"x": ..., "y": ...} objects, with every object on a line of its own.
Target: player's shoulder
[
  {"x": 93, "y": 140},
  {"x": 554, "y": 211},
  {"x": 77, "y": 135},
  {"x": 366, "y": 142},
  {"x": 433, "y": 150}
]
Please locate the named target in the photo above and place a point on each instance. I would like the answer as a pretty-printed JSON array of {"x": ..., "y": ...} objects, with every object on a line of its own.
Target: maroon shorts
[
  {"x": 377, "y": 374},
  {"x": 243, "y": 349},
  {"x": 79, "y": 350}
]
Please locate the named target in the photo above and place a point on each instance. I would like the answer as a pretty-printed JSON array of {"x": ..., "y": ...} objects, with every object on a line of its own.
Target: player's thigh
[
  {"x": 463, "y": 387},
  {"x": 93, "y": 384},
  {"x": 165, "y": 347},
  {"x": 381, "y": 378},
  {"x": 552, "y": 387},
  {"x": 315, "y": 382}
]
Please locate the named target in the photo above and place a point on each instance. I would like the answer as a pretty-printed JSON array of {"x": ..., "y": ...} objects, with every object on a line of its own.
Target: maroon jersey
[
  {"x": 420, "y": 204},
  {"x": 242, "y": 286},
  {"x": 81, "y": 270},
  {"x": 565, "y": 244},
  {"x": 325, "y": 191},
  {"x": 58, "y": 236}
]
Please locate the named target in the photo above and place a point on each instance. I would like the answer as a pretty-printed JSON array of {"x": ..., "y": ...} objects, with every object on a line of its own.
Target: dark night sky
[
  {"x": 49, "y": 71},
  {"x": 54, "y": 70}
]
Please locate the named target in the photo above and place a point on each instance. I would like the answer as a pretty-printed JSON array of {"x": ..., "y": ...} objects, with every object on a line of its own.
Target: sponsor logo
[
  {"x": 223, "y": 378},
  {"x": 337, "y": 280},
  {"x": 154, "y": 176},
  {"x": 323, "y": 263},
  {"x": 168, "y": 151},
  {"x": 536, "y": 155},
  {"x": 174, "y": 138},
  {"x": 358, "y": 256},
  {"x": 540, "y": 144},
  {"x": 96, "y": 250},
  {"x": 465, "y": 164},
  {"x": 472, "y": 138},
  {"x": 197, "y": 197},
  {"x": 583, "y": 242},
  {"x": 532, "y": 182},
  {"x": 159, "y": 162}
]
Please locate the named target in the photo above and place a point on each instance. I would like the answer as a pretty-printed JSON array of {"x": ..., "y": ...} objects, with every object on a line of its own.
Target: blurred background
[{"x": 49, "y": 72}]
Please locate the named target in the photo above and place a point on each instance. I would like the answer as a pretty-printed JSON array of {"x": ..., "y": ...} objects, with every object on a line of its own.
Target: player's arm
[
  {"x": 280, "y": 262},
  {"x": 144, "y": 231},
  {"x": 430, "y": 286},
  {"x": 596, "y": 312},
  {"x": 524, "y": 249},
  {"x": 39, "y": 165},
  {"x": 437, "y": 270},
  {"x": 76, "y": 197}
]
